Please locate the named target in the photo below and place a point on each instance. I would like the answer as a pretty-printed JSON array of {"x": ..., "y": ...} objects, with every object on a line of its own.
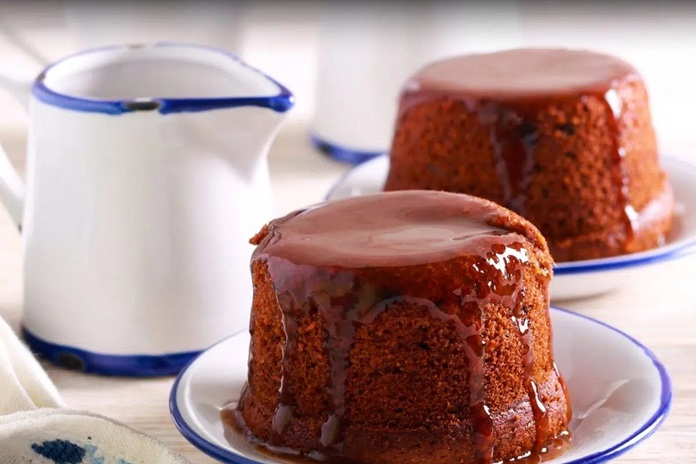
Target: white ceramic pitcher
[{"x": 146, "y": 178}]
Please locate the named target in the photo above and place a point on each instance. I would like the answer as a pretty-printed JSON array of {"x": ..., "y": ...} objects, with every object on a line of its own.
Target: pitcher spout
[{"x": 252, "y": 88}]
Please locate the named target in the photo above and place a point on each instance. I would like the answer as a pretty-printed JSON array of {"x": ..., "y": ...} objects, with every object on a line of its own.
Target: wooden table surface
[{"x": 658, "y": 307}]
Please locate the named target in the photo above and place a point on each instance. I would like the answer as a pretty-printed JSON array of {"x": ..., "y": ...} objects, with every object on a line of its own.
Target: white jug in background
[
  {"x": 368, "y": 51},
  {"x": 216, "y": 23},
  {"x": 143, "y": 190}
]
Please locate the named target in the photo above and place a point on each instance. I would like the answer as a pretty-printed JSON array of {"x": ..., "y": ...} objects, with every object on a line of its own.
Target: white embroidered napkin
[{"x": 36, "y": 427}]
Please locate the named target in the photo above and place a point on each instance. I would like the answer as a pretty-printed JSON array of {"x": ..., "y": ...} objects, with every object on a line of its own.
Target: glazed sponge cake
[
  {"x": 562, "y": 137},
  {"x": 407, "y": 326}
]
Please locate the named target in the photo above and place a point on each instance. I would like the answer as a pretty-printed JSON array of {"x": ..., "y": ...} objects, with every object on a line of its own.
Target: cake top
[
  {"x": 523, "y": 72},
  {"x": 392, "y": 229}
]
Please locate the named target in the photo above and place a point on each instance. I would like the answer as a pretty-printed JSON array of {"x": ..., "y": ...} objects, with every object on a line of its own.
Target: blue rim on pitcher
[
  {"x": 280, "y": 102},
  {"x": 76, "y": 359}
]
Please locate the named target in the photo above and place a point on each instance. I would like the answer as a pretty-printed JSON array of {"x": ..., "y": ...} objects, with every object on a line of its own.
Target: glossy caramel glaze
[
  {"x": 564, "y": 138},
  {"x": 342, "y": 269},
  {"x": 395, "y": 229},
  {"x": 531, "y": 73}
]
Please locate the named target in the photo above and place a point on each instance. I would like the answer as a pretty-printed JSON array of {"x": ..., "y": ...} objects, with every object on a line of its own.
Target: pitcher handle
[{"x": 11, "y": 185}]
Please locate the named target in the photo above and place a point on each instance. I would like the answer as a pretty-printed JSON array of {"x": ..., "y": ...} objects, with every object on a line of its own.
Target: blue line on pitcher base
[
  {"x": 106, "y": 364},
  {"x": 343, "y": 154}
]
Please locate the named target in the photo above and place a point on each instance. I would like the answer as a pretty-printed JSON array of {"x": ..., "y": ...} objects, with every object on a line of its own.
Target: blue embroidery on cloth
[
  {"x": 92, "y": 459},
  {"x": 60, "y": 451},
  {"x": 65, "y": 452}
]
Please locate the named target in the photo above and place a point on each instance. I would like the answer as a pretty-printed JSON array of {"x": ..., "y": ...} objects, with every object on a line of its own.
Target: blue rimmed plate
[
  {"x": 619, "y": 391},
  {"x": 579, "y": 278}
]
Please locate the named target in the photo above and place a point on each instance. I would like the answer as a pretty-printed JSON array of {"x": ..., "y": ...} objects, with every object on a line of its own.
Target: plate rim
[
  {"x": 642, "y": 433},
  {"x": 641, "y": 258}
]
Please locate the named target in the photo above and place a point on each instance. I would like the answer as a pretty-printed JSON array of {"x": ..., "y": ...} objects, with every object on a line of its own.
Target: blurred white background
[{"x": 285, "y": 40}]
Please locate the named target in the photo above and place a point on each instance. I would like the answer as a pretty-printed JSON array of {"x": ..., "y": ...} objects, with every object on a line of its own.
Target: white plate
[
  {"x": 620, "y": 393},
  {"x": 575, "y": 279}
]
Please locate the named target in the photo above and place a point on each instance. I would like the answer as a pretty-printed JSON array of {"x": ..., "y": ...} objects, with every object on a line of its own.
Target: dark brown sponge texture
[
  {"x": 572, "y": 194},
  {"x": 407, "y": 392}
]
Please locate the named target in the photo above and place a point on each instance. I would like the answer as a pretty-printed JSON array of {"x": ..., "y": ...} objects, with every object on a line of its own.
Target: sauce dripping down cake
[
  {"x": 407, "y": 326},
  {"x": 562, "y": 137}
]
